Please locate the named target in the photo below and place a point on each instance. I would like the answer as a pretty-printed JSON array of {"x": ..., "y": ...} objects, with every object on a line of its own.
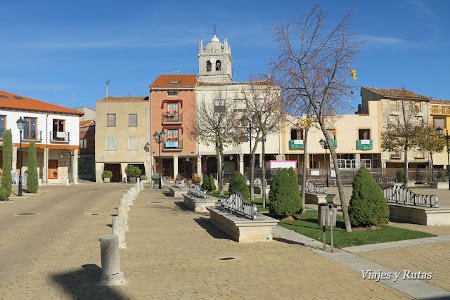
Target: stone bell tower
[{"x": 214, "y": 61}]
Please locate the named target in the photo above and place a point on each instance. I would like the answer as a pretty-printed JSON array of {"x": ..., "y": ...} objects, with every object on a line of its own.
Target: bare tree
[
  {"x": 428, "y": 140},
  {"x": 399, "y": 132},
  {"x": 215, "y": 124},
  {"x": 262, "y": 100},
  {"x": 313, "y": 65}
]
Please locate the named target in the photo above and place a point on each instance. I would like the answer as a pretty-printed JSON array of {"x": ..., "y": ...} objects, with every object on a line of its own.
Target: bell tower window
[
  {"x": 218, "y": 65},
  {"x": 208, "y": 66}
]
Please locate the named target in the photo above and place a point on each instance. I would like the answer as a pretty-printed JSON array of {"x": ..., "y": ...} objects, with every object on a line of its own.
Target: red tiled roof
[
  {"x": 16, "y": 102},
  {"x": 445, "y": 102},
  {"x": 87, "y": 123},
  {"x": 125, "y": 99},
  {"x": 397, "y": 94},
  {"x": 175, "y": 81}
]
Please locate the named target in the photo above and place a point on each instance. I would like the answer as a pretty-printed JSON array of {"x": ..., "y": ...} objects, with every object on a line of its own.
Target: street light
[
  {"x": 322, "y": 142},
  {"x": 159, "y": 138},
  {"x": 20, "y": 125},
  {"x": 439, "y": 132}
]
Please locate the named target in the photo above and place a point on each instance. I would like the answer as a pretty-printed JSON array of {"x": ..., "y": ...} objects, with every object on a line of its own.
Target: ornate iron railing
[
  {"x": 179, "y": 184},
  {"x": 312, "y": 188},
  {"x": 236, "y": 204},
  {"x": 400, "y": 195},
  {"x": 385, "y": 179},
  {"x": 196, "y": 191}
]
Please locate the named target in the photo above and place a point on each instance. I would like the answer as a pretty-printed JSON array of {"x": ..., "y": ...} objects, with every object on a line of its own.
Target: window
[
  {"x": 110, "y": 120},
  {"x": 83, "y": 143},
  {"x": 297, "y": 134},
  {"x": 172, "y": 93},
  {"x": 58, "y": 130},
  {"x": 29, "y": 130},
  {"x": 417, "y": 106},
  {"x": 363, "y": 134},
  {"x": 439, "y": 122},
  {"x": 218, "y": 65},
  {"x": 393, "y": 105},
  {"x": 110, "y": 143},
  {"x": 132, "y": 144},
  {"x": 208, "y": 66},
  {"x": 219, "y": 105},
  {"x": 2, "y": 125},
  {"x": 172, "y": 108},
  {"x": 132, "y": 120},
  {"x": 172, "y": 135}
]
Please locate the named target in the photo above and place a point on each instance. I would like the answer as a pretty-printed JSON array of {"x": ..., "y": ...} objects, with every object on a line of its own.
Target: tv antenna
[{"x": 107, "y": 85}]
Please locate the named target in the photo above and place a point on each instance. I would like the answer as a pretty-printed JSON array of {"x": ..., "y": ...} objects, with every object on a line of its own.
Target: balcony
[
  {"x": 32, "y": 136},
  {"x": 296, "y": 144},
  {"x": 172, "y": 118},
  {"x": 175, "y": 145},
  {"x": 364, "y": 144},
  {"x": 60, "y": 137},
  {"x": 325, "y": 144}
]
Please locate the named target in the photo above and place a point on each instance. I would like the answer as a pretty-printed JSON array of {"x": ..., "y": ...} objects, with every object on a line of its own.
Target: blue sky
[{"x": 64, "y": 51}]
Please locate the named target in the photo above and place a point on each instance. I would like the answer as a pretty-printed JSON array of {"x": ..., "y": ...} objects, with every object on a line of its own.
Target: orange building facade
[{"x": 172, "y": 100}]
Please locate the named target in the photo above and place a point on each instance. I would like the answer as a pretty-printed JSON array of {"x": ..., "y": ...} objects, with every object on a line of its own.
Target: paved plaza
[{"x": 173, "y": 253}]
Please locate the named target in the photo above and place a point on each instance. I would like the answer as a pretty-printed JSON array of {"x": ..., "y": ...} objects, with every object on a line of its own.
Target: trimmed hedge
[
  {"x": 205, "y": 183},
  {"x": 238, "y": 183},
  {"x": 32, "y": 178},
  {"x": 284, "y": 195},
  {"x": 133, "y": 171},
  {"x": 212, "y": 184},
  {"x": 367, "y": 204},
  {"x": 5, "y": 186}
]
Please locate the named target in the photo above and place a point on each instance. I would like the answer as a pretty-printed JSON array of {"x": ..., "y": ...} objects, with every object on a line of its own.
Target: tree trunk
[
  {"x": 305, "y": 155},
  {"x": 263, "y": 169},
  {"x": 405, "y": 165},
  {"x": 252, "y": 175},
  {"x": 432, "y": 166},
  {"x": 219, "y": 155},
  {"x": 344, "y": 205}
]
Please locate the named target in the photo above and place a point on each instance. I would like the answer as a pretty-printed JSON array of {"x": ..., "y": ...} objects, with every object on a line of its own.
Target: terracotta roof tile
[
  {"x": 175, "y": 81},
  {"x": 87, "y": 123},
  {"x": 16, "y": 102},
  {"x": 397, "y": 94},
  {"x": 125, "y": 99},
  {"x": 445, "y": 102}
]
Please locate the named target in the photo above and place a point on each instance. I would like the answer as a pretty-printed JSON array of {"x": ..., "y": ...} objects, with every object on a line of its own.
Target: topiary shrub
[
  {"x": 5, "y": 186},
  {"x": 205, "y": 184},
  {"x": 400, "y": 176},
  {"x": 32, "y": 178},
  {"x": 212, "y": 184},
  {"x": 133, "y": 171},
  {"x": 367, "y": 205},
  {"x": 107, "y": 174},
  {"x": 440, "y": 176},
  {"x": 238, "y": 183},
  {"x": 284, "y": 195}
]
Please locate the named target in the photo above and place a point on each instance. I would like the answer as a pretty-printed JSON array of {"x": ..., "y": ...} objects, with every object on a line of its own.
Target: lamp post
[
  {"x": 20, "y": 125},
  {"x": 440, "y": 132},
  {"x": 322, "y": 142},
  {"x": 159, "y": 138}
]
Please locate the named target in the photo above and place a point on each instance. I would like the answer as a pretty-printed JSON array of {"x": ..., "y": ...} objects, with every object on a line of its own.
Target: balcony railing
[
  {"x": 296, "y": 144},
  {"x": 364, "y": 144},
  {"x": 175, "y": 145},
  {"x": 172, "y": 118},
  {"x": 325, "y": 144},
  {"x": 59, "y": 137},
  {"x": 35, "y": 135}
]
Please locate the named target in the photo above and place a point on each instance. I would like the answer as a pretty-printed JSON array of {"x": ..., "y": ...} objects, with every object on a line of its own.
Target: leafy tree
[
  {"x": 367, "y": 204},
  {"x": 32, "y": 178},
  {"x": 238, "y": 183},
  {"x": 5, "y": 186},
  {"x": 284, "y": 195},
  {"x": 313, "y": 68},
  {"x": 428, "y": 140}
]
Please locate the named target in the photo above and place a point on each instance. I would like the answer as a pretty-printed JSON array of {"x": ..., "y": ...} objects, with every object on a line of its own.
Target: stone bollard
[
  {"x": 118, "y": 228},
  {"x": 110, "y": 257},
  {"x": 122, "y": 211},
  {"x": 124, "y": 202},
  {"x": 142, "y": 185},
  {"x": 130, "y": 198}
]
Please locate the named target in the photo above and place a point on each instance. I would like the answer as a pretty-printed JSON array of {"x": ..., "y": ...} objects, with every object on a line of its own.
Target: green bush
[
  {"x": 133, "y": 171},
  {"x": 5, "y": 186},
  {"x": 107, "y": 174},
  {"x": 367, "y": 204},
  {"x": 284, "y": 195},
  {"x": 144, "y": 177},
  {"x": 238, "y": 183},
  {"x": 32, "y": 178},
  {"x": 400, "y": 176},
  {"x": 205, "y": 183},
  {"x": 212, "y": 184},
  {"x": 440, "y": 176}
]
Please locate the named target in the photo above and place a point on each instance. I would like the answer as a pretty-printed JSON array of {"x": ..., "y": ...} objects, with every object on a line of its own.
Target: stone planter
[
  {"x": 132, "y": 180},
  {"x": 106, "y": 180}
]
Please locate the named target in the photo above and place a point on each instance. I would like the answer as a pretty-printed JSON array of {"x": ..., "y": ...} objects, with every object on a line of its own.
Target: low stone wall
[
  {"x": 242, "y": 229},
  {"x": 311, "y": 198},
  {"x": 439, "y": 185},
  {"x": 419, "y": 214},
  {"x": 177, "y": 192},
  {"x": 199, "y": 204}
]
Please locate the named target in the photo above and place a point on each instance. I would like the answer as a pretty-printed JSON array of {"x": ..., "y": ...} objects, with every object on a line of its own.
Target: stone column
[
  {"x": 357, "y": 160},
  {"x": 75, "y": 166},
  {"x": 99, "y": 167},
  {"x": 175, "y": 166},
  {"x": 45, "y": 167},
  {"x": 199, "y": 165},
  {"x": 110, "y": 257},
  {"x": 14, "y": 160},
  {"x": 241, "y": 163},
  {"x": 124, "y": 175}
]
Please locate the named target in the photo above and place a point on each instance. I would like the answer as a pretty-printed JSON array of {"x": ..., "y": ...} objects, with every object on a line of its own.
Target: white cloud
[{"x": 386, "y": 41}]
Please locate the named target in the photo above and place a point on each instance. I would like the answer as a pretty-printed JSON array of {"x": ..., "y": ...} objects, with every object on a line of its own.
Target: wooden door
[{"x": 52, "y": 169}]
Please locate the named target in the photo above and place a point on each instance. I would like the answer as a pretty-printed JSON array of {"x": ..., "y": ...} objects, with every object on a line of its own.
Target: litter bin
[
  {"x": 324, "y": 214},
  {"x": 155, "y": 181}
]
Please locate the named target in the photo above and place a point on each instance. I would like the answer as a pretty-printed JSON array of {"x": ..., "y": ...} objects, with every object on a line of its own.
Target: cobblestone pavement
[{"x": 171, "y": 253}]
